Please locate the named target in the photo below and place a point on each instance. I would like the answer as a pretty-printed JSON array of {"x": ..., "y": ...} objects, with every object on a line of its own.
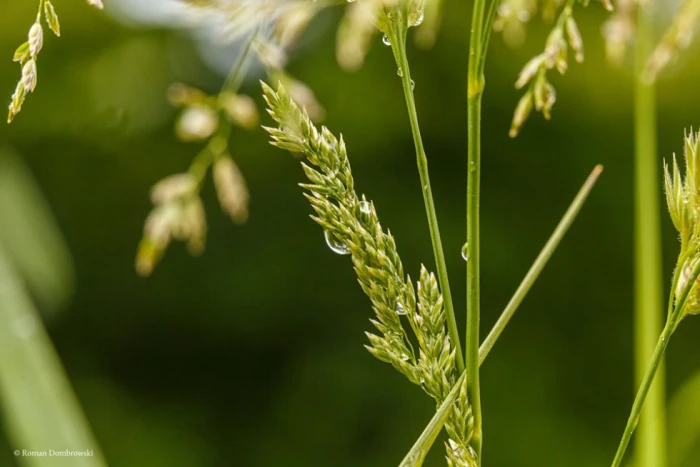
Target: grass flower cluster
[
  {"x": 351, "y": 227},
  {"x": 683, "y": 201},
  {"x": 27, "y": 54},
  {"x": 540, "y": 94},
  {"x": 415, "y": 327},
  {"x": 267, "y": 30},
  {"x": 678, "y": 37}
]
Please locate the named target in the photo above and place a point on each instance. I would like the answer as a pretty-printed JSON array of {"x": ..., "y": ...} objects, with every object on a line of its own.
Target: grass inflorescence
[{"x": 351, "y": 227}]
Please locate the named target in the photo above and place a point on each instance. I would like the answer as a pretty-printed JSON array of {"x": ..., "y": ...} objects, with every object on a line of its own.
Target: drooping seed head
[
  {"x": 35, "y": 39},
  {"x": 29, "y": 75}
]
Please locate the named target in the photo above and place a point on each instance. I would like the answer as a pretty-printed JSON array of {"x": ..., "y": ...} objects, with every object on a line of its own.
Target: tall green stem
[
  {"x": 415, "y": 456},
  {"x": 399, "y": 48},
  {"x": 650, "y": 450},
  {"x": 475, "y": 89}
]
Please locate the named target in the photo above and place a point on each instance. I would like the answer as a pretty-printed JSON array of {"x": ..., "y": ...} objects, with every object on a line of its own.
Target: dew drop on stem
[
  {"x": 386, "y": 40},
  {"x": 465, "y": 252},
  {"x": 335, "y": 245}
]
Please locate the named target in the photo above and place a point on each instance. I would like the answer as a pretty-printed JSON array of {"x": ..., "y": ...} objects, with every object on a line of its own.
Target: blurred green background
[{"x": 251, "y": 355}]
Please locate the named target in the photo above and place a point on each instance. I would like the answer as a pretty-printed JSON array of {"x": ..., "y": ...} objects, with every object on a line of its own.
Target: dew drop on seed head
[
  {"x": 405, "y": 358},
  {"x": 400, "y": 309},
  {"x": 335, "y": 246},
  {"x": 417, "y": 18},
  {"x": 365, "y": 207},
  {"x": 465, "y": 252},
  {"x": 413, "y": 85},
  {"x": 386, "y": 40},
  {"x": 399, "y": 71}
]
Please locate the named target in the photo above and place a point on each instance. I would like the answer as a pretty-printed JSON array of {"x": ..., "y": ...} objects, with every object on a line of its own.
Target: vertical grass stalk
[
  {"x": 475, "y": 89},
  {"x": 420, "y": 448},
  {"x": 399, "y": 48},
  {"x": 650, "y": 449}
]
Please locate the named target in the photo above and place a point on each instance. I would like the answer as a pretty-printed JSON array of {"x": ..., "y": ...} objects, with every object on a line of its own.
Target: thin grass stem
[
  {"x": 219, "y": 142},
  {"x": 475, "y": 89},
  {"x": 415, "y": 456},
  {"x": 540, "y": 262},
  {"x": 420, "y": 449},
  {"x": 422, "y": 160},
  {"x": 672, "y": 321}
]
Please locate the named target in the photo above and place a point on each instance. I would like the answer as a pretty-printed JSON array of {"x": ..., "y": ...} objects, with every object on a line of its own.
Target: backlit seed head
[
  {"x": 241, "y": 109},
  {"x": 17, "y": 101},
  {"x": 574, "y": 37},
  {"x": 196, "y": 123},
  {"x": 530, "y": 70},
  {"x": 231, "y": 189},
  {"x": 35, "y": 39},
  {"x": 355, "y": 34},
  {"x": 173, "y": 188},
  {"x": 181, "y": 95},
  {"x": 678, "y": 37},
  {"x": 29, "y": 75},
  {"x": 522, "y": 111}
]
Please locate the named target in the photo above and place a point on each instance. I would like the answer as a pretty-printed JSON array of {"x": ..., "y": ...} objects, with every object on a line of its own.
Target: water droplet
[
  {"x": 417, "y": 18},
  {"x": 365, "y": 207},
  {"x": 418, "y": 319},
  {"x": 386, "y": 40},
  {"x": 422, "y": 381},
  {"x": 399, "y": 71},
  {"x": 335, "y": 245},
  {"x": 400, "y": 309},
  {"x": 465, "y": 252},
  {"x": 405, "y": 358},
  {"x": 413, "y": 85}
]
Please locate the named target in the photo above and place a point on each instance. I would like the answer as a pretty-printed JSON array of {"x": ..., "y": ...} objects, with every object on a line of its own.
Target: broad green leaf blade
[
  {"x": 30, "y": 237},
  {"x": 39, "y": 409}
]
